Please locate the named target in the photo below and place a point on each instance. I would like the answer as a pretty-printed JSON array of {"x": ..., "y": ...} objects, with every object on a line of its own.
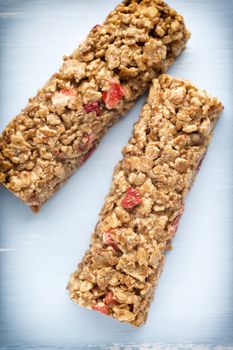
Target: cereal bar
[
  {"x": 141, "y": 213},
  {"x": 99, "y": 82}
]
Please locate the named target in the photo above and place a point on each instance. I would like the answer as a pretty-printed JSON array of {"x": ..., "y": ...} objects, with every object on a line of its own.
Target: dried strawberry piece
[
  {"x": 62, "y": 97},
  {"x": 93, "y": 106},
  {"x": 101, "y": 308},
  {"x": 181, "y": 209},
  {"x": 110, "y": 299},
  {"x": 96, "y": 27},
  {"x": 174, "y": 226},
  {"x": 131, "y": 199},
  {"x": 200, "y": 162},
  {"x": 109, "y": 240},
  {"x": 86, "y": 141},
  {"x": 113, "y": 96},
  {"x": 87, "y": 155},
  {"x": 68, "y": 92}
]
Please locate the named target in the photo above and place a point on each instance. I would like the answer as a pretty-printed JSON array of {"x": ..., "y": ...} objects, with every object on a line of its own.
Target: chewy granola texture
[
  {"x": 142, "y": 210},
  {"x": 99, "y": 82}
]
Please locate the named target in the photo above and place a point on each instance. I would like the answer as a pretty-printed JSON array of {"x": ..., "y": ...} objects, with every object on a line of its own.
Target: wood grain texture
[{"x": 193, "y": 308}]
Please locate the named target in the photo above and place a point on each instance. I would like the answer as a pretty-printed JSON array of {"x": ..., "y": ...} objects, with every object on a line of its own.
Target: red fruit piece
[
  {"x": 61, "y": 98},
  {"x": 68, "y": 92},
  {"x": 110, "y": 299},
  {"x": 96, "y": 27},
  {"x": 86, "y": 141},
  {"x": 93, "y": 106},
  {"x": 200, "y": 162},
  {"x": 109, "y": 240},
  {"x": 131, "y": 199},
  {"x": 181, "y": 209},
  {"x": 113, "y": 96},
  {"x": 89, "y": 153},
  {"x": 174, "y": 225},
  {"x": 101, "y": 308}
]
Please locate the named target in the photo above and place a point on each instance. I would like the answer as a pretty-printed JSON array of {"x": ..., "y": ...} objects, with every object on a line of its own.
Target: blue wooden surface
[{"x": 193, "y": 303}]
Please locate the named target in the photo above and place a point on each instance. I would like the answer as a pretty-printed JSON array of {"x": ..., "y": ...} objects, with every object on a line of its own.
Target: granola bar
[
  {"x": 141, "y": 213},
  {"x": 99, "y": 82}
]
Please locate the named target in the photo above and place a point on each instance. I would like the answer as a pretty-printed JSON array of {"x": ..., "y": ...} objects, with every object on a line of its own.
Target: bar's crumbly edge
[
  {"x": 99, "y": 82},
  {"x": 141, "y": 213}
]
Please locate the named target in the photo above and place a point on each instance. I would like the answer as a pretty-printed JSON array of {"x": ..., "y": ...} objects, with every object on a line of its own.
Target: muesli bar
[
  {"x": 141, "y": 213},
  {"x": 99, "y": 82}
]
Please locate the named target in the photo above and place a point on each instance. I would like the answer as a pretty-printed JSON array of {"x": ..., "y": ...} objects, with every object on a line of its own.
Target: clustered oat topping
[
  {"x": 141, "y": 213},
  {"x": 61, "y": 126}
]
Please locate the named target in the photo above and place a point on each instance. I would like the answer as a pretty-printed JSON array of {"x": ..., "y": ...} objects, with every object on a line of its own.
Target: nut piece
[
  {"x": 154, "y": 52},
  {"x": 112, "y": 56},
  {"x": 73, "y": 69},
  {"x": 123, "y": 314}
]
